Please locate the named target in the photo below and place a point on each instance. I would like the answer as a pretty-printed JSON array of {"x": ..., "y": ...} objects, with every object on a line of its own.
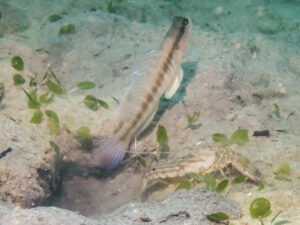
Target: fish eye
[{"x": 185, "y": 21}]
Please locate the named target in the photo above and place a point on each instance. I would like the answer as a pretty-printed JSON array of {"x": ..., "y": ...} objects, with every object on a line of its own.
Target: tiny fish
[{"x": 162, "y": 76}]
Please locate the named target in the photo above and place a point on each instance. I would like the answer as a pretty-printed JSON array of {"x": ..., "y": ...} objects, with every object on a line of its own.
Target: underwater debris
[
  {"x": 5, "y": 152},
  {"x": 265, "y": 133},
  {"x": 2, "y": 91}
]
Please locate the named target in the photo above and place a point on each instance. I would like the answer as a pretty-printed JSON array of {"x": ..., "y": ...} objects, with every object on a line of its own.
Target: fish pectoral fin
[{"x": 173, "y": 87}]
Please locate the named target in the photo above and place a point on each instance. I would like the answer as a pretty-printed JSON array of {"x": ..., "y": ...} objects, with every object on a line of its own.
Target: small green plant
[
  {"x": 184, "y": 184},
  {"x": 210, "y": 181},
  {"x": 66, "y": 29},
  {"x": 54, "y": 17},
  {"x": 239, "y": 137},
  {"x": 83, "y": 133},
  {"x": 162, "y": 140},
  {"x": 283, "y": 172},
  {"x": 46, "y": 98},
  {"x": 93, "y": 103},
  {"x": 192, "y": 119},
  {"x": 32, "y": 101},
  {"x": 17, "y": 63},
  {"x": 37, "y": 117},
  {"x": 55, "y": 88},
  {"x": 54, "y": 146},
  {"x": 277, "y": 110},
  {"x": 84, "y": 85},
  {"x": 219, "y": 217},
  {"x": 260, "y": 208},
  {"x": 18, "y": 79},
  {"x": 111, "y": 6},
  {"x": 53, "y": 121}
]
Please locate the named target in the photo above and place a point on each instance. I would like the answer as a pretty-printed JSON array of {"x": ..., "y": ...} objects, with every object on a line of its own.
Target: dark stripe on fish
[{"x": 163, "y": 70}]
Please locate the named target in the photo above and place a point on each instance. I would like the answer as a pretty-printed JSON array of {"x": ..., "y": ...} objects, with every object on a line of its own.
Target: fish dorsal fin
[{"x": 173, "y": 87}]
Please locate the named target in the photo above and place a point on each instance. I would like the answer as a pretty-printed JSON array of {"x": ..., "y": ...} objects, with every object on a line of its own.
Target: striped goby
[{"x": 139, "y": 106}]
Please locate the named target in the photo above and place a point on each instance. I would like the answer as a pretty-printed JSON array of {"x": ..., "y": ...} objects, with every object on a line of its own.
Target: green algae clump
[
  {"x": 260, "y": 208},
  {"x": 54, "y": 17},
  {"x": 67, "y": 29},
  {"x": 17, "y": 63}
]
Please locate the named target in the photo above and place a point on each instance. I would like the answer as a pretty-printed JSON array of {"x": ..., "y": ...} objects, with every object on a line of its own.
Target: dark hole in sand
[{"x": 94, "y": 191}]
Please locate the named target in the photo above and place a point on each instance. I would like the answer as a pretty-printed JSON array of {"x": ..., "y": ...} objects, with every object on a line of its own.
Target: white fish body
[{"x": 162, "y": 75}]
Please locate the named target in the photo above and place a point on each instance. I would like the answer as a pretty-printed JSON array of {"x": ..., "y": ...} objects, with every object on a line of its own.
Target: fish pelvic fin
[{"x": 109, "y": 154}]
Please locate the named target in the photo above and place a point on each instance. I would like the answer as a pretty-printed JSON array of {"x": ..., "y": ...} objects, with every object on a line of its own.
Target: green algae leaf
[
  {"x": 283, "y": 172},
  {"x": 52, "y": 115},
  {"x": 284, "y": 169},
  {"x": 46, "y": 98},
  {"x": 218, "y": 137},
  {"x": 91, "y": 102},
  {"x": 238, "y": 180},
  {"x": 240, "y": 137},
  {"x": 17, "y": 63},
  {"x": 18, "y": 79},
  {"x": 37, "y": 117},
  {"x": 161, "y": 135},
  {"x": 217, "y": 217},
  {"x": 210, "y": 181},
  {"x": 32, "y": 102},
  {"x": 84, "y": 85},
  {"x": 111, "y": 7},
  {"x": 261, "y": 185},
  {"x": 193, "y": 117},
  {"x": 66, "y": 29},
  {"x": 142, "y": 161},
  {"x": 84, "y": 135},
  {"x": 184, "y": 184},
  {"x": 102, "y": 103},
  {"x": 54, "y": 17},
  {"x": 222, "y": 185},
  {"x": 54, "y": 146},
  {"x": 260, "y": 208},
  {"x": 53, "y": 121},
  {"x": 55, "y": 88},
  {"x": 83, "y": 132},
  {"x": 196, "y": 177}
]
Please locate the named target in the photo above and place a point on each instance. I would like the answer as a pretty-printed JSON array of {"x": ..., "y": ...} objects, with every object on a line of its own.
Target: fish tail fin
[{"x": 109, "y": 154}]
